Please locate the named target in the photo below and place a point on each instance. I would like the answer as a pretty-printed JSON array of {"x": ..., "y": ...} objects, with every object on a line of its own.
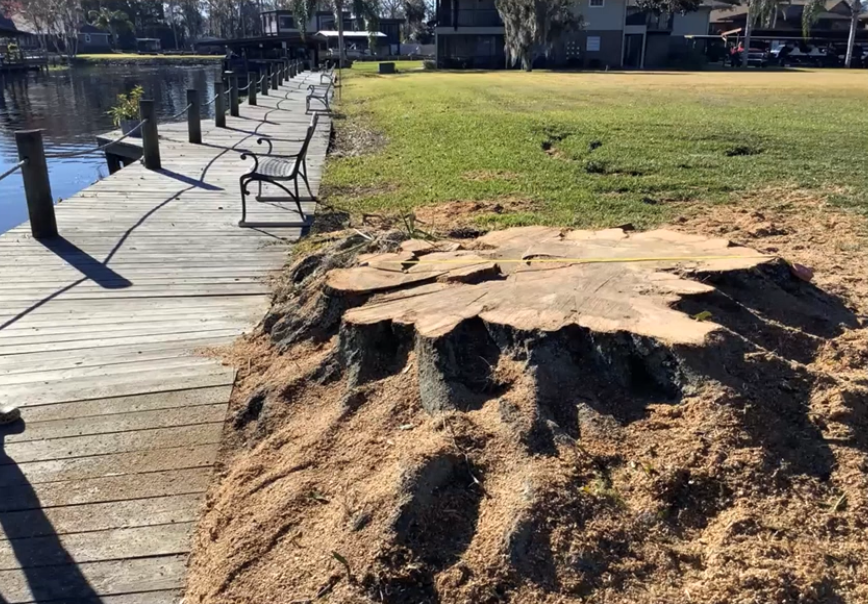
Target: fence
[{"x": 32, "y": 156}]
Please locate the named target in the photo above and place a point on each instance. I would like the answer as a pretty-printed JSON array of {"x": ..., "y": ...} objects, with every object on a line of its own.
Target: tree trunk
[
  {"x": 526, "y": 61},
  {"x": 748, "y": 26},
  {"x": 339, "y": 18},
  {"x": 855, "y": 8}
]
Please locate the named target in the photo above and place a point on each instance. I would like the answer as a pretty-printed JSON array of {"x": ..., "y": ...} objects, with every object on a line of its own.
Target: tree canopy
[{"x": 534, "y": 24}]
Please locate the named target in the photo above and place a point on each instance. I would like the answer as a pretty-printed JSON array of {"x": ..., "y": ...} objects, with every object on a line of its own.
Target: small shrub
[
  {"x": 429, "y": 65},
  {"x": 127, "y": 106}
]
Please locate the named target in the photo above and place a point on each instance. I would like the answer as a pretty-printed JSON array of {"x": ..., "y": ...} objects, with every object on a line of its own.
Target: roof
[
  {"x": 90, "y": 29},
  {"x": 7, "y": 26},
  {"x": 328, "y": 33}
]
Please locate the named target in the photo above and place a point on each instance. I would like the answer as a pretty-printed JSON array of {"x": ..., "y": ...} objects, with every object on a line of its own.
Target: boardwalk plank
[{"x": 102, "y": 338}]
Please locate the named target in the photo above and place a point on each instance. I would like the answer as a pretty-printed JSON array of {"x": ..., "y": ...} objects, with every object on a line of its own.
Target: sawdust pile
[{"x": 376, "y": 456}]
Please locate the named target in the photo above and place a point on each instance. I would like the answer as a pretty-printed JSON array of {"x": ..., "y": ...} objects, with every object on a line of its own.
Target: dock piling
[
  {"x": 194, "y": 118},
  {"x": 37, "y": 187},
  {"x": 220, "y": 105},
  {"x": 233, "y": 95},
  {"x": 253, "y": 82},
  {"x": 150, "y": 136}
]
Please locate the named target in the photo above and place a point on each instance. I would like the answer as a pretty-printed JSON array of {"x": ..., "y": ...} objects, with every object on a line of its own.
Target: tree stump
[{"x": 534, "y": 293}]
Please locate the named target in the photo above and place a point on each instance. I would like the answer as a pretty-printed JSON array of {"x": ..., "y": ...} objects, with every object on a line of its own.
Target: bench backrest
[{"x": 310, "y": 130}]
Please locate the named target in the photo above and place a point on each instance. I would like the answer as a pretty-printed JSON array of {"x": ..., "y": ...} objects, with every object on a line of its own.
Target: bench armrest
[{"x": 268, "y": 140}]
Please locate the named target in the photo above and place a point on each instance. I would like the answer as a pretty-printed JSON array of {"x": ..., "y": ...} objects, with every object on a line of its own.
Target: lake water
[{"x": 70, "y": 106}]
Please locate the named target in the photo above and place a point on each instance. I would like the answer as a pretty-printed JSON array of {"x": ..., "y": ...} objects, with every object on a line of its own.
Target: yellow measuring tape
[{"x": 573, "y": 260}]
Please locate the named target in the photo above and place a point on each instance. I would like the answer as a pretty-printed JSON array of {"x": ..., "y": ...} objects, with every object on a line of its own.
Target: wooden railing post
[
  {"x": 253, "y": 82},
  {"x": 274, "y": 83},
  {"x": 194, "y": 117},
  {"x": 220, "y": 105},
  {"x": 150, "y": 136},
  {"x": 233, "y": 95},
  {"x": 37, "y": 188},
  {"x": 265, "y": 81}
]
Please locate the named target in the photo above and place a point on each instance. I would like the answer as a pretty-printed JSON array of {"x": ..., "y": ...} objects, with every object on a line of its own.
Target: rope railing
[
  {"x": 181, "y": 112},
  {"x": 211, "y": 102},
  {"x": 244, "y": 88},
  {"x": 13, "y": 169},
  {"x": 71, "y": 154}
]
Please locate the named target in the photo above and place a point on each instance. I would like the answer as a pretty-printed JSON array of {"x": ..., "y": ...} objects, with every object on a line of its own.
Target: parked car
[
  {"x": 755, "y": 58},
  {"x": 803, "y": 55}
]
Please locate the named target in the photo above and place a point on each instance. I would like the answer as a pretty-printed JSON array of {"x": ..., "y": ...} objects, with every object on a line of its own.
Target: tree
[
  {"x": 366, "y": 10},
  {"x": 112, "y": 21},
  {"x": 764, "y": 12},
  {"x": 811, "y": 13},
  {"x": 414, "y": 14},
  {"x": 529, "y": 24},
  {"x": 669, "y": 6},
  {"x": 392, "y": 9}
]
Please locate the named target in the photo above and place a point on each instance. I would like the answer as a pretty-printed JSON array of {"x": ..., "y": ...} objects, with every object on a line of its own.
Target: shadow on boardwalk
[{"x": 51, "y": 573}]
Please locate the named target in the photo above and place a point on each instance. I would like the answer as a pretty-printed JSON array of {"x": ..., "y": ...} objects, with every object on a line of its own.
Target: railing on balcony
[
  {"x": 470, "y": 18},
  {"x": 651, "y": 20}
]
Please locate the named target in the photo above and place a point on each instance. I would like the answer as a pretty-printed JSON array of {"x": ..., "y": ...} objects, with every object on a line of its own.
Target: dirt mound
[{"x": 420, "y": 423}]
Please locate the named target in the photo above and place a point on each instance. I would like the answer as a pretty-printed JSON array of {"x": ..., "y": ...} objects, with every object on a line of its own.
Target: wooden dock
[{"x": 102, "y": 334}]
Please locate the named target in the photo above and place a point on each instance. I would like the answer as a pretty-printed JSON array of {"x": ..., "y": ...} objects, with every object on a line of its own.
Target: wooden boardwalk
[{"x": 101, "y": 334}]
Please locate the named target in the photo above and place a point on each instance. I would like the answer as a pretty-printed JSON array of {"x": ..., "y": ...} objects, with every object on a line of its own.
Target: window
[
  {"x": 285, "y": 22},
  {"x": 593, "y": 44},
  {"x": 596, "y": 3}
]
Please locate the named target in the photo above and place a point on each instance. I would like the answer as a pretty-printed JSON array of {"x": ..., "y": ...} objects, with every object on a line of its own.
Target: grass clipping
[{"x": 374, "y": 457}]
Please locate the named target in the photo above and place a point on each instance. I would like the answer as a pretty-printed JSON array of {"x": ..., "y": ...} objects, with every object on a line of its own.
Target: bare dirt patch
[
  {"x": 488, "y": 175},
  {"x": 447, "y": 219},
  {"x": 356, "y": 137},
  {"x": 802, "y": 227},
  {"x": 440, "y": 455}
]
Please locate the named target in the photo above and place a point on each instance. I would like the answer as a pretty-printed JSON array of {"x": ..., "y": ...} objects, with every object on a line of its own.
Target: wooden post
[
  {"x": 194, "y": 117},
  {"x": 113, "y": 162},
  {"x": 274, "y": 83},
  {"x": 37, "y": 188},
  {"x": 219, "y": 105},
  {"x": 150, "y": 136},
  {"x": 233, "y": 96},
  {"x": 265, "y": 84},
  {"x": 253, "y": 82}
]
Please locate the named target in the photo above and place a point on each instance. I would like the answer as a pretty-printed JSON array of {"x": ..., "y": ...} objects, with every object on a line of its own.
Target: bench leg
[
  {"x": 304, "y": 176},
  {"x": 243, "y": 201}
]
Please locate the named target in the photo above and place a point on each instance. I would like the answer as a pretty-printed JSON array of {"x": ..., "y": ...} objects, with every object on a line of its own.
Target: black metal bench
[
  {"x": 328, "y": 74},
  {"x": 323, "y": 94},
  {"x": 280, "y": 171}
]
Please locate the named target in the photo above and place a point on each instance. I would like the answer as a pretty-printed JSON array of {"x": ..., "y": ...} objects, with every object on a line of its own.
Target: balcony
[
  {"x": 651, "y": 20},
  {"x": 470, "y": 18}
]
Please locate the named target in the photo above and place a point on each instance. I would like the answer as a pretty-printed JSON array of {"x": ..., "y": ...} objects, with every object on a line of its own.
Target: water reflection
[{"x": 71, "y": 107}]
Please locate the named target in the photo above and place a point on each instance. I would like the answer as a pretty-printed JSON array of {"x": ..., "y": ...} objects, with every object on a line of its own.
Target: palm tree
[
  {"x": 764, "y": 12},
  {"x": 811, "y": 14},
  {"x": 112, "y": 21}
]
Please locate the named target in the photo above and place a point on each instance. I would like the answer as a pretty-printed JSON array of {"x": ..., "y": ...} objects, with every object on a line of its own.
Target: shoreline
[{"x": 87, "y": 60}]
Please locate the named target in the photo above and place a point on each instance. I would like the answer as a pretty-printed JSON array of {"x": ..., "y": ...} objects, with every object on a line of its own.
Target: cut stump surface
[{"x": 539, "y": 278}]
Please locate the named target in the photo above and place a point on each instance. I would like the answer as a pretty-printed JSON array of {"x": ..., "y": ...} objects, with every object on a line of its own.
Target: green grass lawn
[
  {"x": 596, "y": 149},
  {"x": 371, "y": 67}
]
